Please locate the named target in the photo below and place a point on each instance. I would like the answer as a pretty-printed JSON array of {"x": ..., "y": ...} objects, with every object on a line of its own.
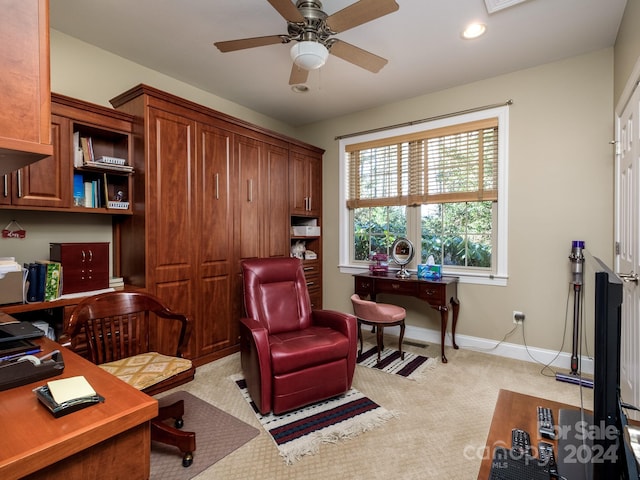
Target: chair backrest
[
  {"x": 275, "y": 293},
  {"x": 120, "y": 324},
  {"x": 365, "y": 309}
]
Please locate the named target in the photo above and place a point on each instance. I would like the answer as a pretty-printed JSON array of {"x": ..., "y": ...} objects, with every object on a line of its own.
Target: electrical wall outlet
[{"x": 518, "y": 317}]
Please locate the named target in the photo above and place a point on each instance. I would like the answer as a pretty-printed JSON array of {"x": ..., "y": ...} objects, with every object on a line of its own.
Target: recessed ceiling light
[
  {"x": 300, "y": 88},
  {"x": 474, "y": 30}
]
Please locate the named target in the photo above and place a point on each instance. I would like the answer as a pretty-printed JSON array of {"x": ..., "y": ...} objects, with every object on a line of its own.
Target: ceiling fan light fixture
[{"x": 309, "y": 55}]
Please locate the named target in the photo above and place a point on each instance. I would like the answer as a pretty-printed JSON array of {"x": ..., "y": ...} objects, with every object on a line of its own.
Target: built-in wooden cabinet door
[
  {"x": 47, "y": 182},
  {"x": 275, "y": 202},
  {"x": 314, "y": 164},
  {"x": 170, "y": 209},
  {"x": 305, "y": 183},
  {"x": 25, "y": 87},
  {"x": 215, "y": 326},
  {"x": 247, "y": 231}
]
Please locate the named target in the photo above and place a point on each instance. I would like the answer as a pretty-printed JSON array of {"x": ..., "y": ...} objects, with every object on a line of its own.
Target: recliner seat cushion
[{"x": 300, "y": 349}]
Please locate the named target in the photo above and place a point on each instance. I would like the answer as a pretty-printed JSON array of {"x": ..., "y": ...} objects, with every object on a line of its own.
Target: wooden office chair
[
  {"x": 121, "y": 332},
  {"x": 378, "y": 315}
]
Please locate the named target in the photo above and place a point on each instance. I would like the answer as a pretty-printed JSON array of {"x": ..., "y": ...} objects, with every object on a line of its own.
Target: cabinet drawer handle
[
  {"x": 366, "y": 285},
  {"x": 20, "y": 183},
  {"x": 430, "y": 292},
  {"x": 310, "y": 284},
  {"x": 6, "y": 185},
  {"x": 395, "y": 286},
  {"x": 306, "y": 269},
  {"x": 217, "y": 187}
]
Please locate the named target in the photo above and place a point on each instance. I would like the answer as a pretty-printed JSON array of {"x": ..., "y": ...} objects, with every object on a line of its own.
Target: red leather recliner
[{"x": 291, "y": 356}]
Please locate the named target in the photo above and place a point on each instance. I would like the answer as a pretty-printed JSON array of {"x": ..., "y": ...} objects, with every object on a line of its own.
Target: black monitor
[{"x": 593, "y": 447}]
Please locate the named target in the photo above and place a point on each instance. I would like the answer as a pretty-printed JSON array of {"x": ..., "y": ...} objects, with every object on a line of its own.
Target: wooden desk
[
  {"x": 439, "y": 294},
  {"x": 107, "y": 440},
  {"x": 515, "y": 410}
]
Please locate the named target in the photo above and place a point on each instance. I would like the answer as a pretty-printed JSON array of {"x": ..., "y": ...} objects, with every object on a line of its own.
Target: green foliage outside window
[
  {"x": 457, "y": 234},
  {"x": 376, "y": 228}
]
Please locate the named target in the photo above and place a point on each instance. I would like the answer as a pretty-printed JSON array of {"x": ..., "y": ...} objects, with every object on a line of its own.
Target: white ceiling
[{"x": 421, "y": 41}]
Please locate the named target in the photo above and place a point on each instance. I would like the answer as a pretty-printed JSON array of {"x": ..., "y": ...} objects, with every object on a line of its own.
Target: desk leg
[
  {"x": 455, "y": 305},
  {"x": 444, "y": 317}
]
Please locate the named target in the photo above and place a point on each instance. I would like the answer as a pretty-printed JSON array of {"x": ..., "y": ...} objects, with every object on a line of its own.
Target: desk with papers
[{"x": 106, "y": 440}]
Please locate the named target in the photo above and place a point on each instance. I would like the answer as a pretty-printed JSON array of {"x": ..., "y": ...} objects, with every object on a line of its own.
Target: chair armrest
[
  {"x": 255, "y": 358},
  {"x": 346, "y": 324}
]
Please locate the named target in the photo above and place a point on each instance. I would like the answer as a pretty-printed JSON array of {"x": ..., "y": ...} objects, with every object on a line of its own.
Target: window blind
[{"x": 457, "y": 163}]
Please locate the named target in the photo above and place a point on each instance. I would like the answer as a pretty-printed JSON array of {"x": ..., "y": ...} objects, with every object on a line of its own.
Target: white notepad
[{"x": 70, "y": 388}]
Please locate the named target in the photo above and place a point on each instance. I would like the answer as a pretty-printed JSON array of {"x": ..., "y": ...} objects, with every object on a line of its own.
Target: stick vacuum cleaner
[{"x": 577, "y": 262}]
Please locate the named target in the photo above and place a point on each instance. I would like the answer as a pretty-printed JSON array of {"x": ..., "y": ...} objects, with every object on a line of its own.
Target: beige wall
[
  {"x": 627, "y": 50},
  {"x": 560, "y": 189}
]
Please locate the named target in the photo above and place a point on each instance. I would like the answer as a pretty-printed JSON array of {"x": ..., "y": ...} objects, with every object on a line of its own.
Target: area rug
[
  {"x": 217, "y": 435},
  {"x": 302, "y": 431},
  {"x": 413, "y": 366}
]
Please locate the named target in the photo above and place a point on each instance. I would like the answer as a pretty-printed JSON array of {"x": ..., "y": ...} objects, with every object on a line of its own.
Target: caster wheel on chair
[
  {"x": 179, "y": 423},
  {"x": 187, "y": 460}
]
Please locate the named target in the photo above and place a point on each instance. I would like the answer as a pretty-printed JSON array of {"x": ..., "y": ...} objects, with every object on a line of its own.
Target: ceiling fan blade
[
  {"x": 298, "y": 75},
  {"x": 360, "y": 12},
  {"x": 357, "y": 56},
  {"x": 232, "y": 45},
  {"x": 288, "y": 10}
]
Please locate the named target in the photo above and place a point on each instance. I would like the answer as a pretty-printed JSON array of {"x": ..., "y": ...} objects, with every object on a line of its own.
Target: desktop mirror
[{"x": 402, "y": 253}]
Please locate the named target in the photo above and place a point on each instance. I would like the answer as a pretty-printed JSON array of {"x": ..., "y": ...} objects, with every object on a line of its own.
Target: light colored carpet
[{"x": 443, "y": 421}]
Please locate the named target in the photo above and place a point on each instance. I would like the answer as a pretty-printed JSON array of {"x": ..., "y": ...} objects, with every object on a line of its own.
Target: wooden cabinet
[
  {"x": 48, "y": 184},
  {"x": 85, "y": 266},
  {"x": 262, "y": 214},
  {"x": 215, "y": 330},
  {"x": 25, "y": 104},
  {"x": 305, "y": 182},
  {"x": 211, "y": 191},
  {"x": 305, "y": 200},
  {"x": 179, "y": 242}
]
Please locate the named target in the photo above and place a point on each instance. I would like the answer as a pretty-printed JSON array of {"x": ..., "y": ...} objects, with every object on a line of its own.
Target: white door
[{"x": 628, "y": 243}]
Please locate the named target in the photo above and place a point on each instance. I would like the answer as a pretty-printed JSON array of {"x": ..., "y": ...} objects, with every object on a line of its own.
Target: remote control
[
  {"x": 520, "y": 441},
  {"x": 546, "y": 425},
  {"x": 548, "y": 459}
]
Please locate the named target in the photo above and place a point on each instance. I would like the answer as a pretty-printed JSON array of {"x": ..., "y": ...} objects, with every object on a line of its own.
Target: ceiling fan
[{"x": 312, "y": 30}]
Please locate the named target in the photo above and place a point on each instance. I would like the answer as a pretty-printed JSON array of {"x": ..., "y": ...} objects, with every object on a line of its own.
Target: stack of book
[{"x": 44, "y": 279}]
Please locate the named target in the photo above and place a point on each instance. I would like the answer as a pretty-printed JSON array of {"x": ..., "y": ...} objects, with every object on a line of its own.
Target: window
[{"x": 442, "y": 184}]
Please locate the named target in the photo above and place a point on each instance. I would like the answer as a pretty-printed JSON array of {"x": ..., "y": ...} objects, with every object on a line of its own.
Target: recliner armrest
[
  {"x": 256, "y": 362},
  {"x": 345, "y": 323}
]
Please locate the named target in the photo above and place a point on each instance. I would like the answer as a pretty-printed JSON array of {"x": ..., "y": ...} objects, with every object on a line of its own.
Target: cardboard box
[
  {"x": 11, "y": 288},
  {"x": 305, "y": 231}
]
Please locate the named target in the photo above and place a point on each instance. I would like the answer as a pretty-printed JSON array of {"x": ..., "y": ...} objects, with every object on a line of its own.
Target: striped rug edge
[{"x": 303, "y": 431}]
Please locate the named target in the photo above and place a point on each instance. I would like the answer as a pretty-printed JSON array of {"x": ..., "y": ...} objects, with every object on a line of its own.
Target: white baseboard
[{"x": 559, "y": 361}]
